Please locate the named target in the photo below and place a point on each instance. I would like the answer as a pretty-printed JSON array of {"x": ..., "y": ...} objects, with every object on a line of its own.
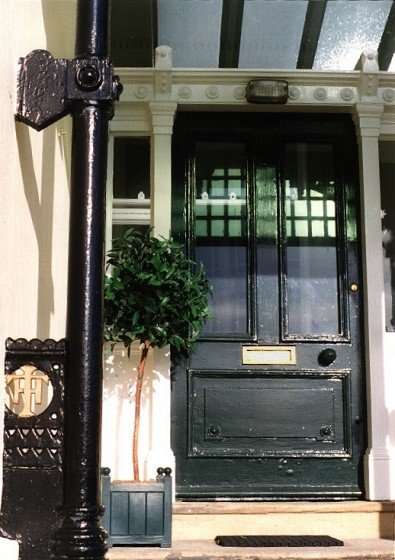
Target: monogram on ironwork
[{"x": 29, "y": 391}]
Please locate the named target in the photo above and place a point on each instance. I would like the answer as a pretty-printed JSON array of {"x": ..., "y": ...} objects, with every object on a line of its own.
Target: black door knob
[
  {"x": 327, "y": 357},
  {"x": 214, "y": 431}
]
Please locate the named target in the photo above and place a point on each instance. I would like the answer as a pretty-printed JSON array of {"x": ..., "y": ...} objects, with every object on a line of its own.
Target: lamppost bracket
[{"x": 48, "y": 86}]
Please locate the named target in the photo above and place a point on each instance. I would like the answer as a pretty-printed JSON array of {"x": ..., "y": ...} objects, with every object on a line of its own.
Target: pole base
[{"x": 80, "y": 536}]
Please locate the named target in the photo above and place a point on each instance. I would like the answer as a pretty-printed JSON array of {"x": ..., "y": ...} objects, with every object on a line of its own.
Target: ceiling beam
[
  {"x": 387, "y": 44},
  {"x": 311, "y": 33},
  {"x": 232, "y": 17},
  {"x": 155, "y": 30}
]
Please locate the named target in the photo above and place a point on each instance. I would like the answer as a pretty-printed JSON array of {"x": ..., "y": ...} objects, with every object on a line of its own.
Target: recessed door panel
[
  {"x": 268, "y": 204},
  {"x": 241, "y": 414}
]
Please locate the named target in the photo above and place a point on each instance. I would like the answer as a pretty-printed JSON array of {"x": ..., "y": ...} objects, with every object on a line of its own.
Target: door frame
[{"x": 220, "y": 128}]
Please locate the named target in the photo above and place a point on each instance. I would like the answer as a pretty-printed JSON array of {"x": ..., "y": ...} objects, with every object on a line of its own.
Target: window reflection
[
  {"x": 311, "y": 211},
  {"x": 221, "y": 233},
  {"x": 310, "y": 254}
]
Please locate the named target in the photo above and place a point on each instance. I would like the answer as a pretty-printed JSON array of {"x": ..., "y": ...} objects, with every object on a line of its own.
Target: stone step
[
  {"x": 342, "y": 520},
  {"x": 355, "y": 549}
]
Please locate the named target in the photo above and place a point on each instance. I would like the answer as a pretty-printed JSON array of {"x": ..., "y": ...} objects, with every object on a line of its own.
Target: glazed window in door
[
  {"x": 272, "y": 217},
  {"x": 222, "y": 234},
  {"x": 311, "y": 279}
]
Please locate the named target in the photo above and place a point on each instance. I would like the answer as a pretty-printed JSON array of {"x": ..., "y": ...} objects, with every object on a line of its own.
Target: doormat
[{"x": 277, "y": 540}]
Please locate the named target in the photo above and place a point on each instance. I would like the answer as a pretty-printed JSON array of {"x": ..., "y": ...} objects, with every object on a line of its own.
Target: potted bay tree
[{"x": 155, "y": 295}]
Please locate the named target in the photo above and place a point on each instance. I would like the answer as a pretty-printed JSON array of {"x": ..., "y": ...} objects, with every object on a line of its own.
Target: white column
[
  {"x": 380, "y": 457},
  {"x": 160, "y": 453},
  {"x": 162, "y": 130}
]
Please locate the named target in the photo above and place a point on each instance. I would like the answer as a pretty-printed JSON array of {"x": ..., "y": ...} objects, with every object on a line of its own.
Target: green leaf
[{"x": 153, "y": 293}]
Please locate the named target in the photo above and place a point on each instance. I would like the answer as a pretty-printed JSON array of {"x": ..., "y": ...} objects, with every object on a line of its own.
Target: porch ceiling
[{"x": 259, "y": 34}]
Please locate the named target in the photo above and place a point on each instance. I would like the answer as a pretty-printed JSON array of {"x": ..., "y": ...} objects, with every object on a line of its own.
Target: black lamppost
[{"x": 84, "y": 86}]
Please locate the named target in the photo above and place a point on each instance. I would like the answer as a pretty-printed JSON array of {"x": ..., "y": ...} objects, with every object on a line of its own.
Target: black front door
[{"x": 270, "y": 403}]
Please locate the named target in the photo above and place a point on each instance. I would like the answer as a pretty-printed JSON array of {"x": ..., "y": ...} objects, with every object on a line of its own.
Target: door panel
[
  {"x": 268, "y": 204},
  {"x": 240, "y": 414}
]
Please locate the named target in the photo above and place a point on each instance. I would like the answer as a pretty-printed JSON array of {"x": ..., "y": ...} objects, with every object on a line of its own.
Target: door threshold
[{"x": 361, "y": 506}]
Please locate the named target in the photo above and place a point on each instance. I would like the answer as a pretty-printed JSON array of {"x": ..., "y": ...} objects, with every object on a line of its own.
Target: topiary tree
[{"x": 153, "y": 294}]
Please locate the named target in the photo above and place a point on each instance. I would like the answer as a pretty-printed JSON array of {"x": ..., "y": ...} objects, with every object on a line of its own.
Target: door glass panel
[
  {"x": 310, "y": 264},
  {"x": 267, "y": 252},
  {"x": 221, "y": 236}
]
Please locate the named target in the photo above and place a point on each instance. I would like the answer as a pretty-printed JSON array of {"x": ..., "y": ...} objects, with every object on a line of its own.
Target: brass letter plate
[{"x": 269, "y": 355}]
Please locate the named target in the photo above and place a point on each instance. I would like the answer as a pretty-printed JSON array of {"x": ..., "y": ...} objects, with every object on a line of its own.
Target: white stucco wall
[
  {"x": 34, "y": 187},
  {"x": 118, "y": 413}
]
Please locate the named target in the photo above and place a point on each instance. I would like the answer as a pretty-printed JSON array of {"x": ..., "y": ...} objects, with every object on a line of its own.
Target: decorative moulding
[
  {"x": 131, "y": 118},
  {"x": 239, "y": 93},
  {"x": 212, "y": 92},
  {"x": 320, "y": 94},
  {"x": 48, "y": 346},
  {"x": 369, "y": 80},
  {"x": 141, "y": 92},
  {"x": 367, "y": 118},
  {"x": 163, "y": 58},
  {"x": 163, "y": 71},
  {"x": 294, "y": 93},
  {"x": 226, "y": 87},
  {"x": 185, "y": 92},
  {"x": 388, "y": 95},
  {"x": 162, "y": 115},
  {"x": 347, "y": 94}
]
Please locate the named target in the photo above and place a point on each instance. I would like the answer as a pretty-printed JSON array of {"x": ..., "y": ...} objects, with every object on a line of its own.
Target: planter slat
[{"x": 138, "y": 513}]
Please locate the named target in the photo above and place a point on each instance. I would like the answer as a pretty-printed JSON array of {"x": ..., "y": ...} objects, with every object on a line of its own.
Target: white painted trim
[
  {"x": 380, "y": 454},
  {"x": 162, "y": 115},
  {"x": 9, "y": 550},
  {"x": 109, "y": 193},
  {"x": 130, "y": 216}
]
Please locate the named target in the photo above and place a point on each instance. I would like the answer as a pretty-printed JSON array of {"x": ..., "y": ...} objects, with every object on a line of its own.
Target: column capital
[
  {"x": 162, "y": 117},
  {"x": 367, "y": 118}
]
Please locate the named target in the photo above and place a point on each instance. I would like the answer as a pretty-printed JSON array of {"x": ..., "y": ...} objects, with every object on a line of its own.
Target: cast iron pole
[{"x": 80, "y": 535}]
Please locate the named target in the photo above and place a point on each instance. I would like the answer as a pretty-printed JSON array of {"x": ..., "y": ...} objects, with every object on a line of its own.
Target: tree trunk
[{"x": 137, "y": 409}]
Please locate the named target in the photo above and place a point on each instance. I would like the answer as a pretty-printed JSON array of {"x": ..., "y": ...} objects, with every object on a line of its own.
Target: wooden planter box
[{"x": 138, "y": 513}]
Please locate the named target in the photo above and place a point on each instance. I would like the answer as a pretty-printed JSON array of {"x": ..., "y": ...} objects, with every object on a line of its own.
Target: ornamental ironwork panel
[
  {"x": 34, "y": 377},
  {"x": 33, "y": 443}
]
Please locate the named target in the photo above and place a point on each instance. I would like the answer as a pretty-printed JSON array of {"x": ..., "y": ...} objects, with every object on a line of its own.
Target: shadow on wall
[
  {"x": 40, "y": 201},
  {"x": 59, "y": 23},
  {"x": 120, "y": 373}
]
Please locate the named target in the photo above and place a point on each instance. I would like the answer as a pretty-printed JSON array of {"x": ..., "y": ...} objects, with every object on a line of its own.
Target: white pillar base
[
  {"x": 380, "y": 469},
  {"x": 9, "y": 550}
]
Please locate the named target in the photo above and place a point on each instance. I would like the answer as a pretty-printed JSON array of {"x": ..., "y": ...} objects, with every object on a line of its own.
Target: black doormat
[{"x": 277, "y": 540}]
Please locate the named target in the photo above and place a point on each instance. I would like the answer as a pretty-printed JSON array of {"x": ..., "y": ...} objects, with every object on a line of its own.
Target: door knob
[
  {"x": 214, "y": 431},
  {"x": 327, "y": 357}
]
